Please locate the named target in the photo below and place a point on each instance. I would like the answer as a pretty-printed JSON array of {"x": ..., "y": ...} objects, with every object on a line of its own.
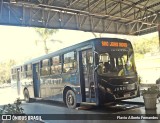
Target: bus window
[
  {"x": 70, "y": 63},
  {"x": 55, "y": 60},
  {"x": 90, "y": 60},
  {"x": 56, "y": 67},
  {"x": 24, "y": 71},
  {"x": 29, "y": 70},
  {"x": 45, "y": 70},
  {"x": 87, "y": 61}
]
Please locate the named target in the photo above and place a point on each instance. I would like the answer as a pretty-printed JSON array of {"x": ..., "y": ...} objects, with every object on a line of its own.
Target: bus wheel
[
  {"x": 26, "y": 95},
  {"x": 71, "y": 99}
]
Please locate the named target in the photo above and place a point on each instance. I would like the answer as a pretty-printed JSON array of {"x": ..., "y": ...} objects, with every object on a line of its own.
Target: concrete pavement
[{"x": 51, "y": 108}]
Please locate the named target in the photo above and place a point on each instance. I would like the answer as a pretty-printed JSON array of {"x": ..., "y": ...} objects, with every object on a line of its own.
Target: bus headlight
[{"x": 131, "y": 86}]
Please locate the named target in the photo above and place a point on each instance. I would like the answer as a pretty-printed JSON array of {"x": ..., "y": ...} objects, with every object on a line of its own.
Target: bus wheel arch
[
  {"x": 64, "y": 93},
  {"x": 26, "y": 95},
  {"x": 69, "y": 98}
]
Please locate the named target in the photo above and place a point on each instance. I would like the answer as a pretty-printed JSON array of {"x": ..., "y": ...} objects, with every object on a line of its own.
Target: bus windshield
[{"x": 116, "y": 63}]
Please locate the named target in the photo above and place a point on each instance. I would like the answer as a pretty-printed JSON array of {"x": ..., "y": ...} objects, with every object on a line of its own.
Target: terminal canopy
[{"x": 131, "y": 17}]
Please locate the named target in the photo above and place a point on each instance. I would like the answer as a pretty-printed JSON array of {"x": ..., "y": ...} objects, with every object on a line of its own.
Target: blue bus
[{"x": 96, "y": 71}]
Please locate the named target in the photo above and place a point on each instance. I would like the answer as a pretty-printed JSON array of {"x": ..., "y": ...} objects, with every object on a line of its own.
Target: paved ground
[
  {"x": 96, "y": 113},
  {"x": 7, "y": 95},
  {"x": 59, "y": 112}
]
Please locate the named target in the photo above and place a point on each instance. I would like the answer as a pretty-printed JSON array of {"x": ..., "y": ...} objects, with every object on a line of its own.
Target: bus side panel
[
  {"x": 16, "y": 83},
  {"x": 72, "y": 80},
  {"x": 19, "y": 82},
  {"x": 14, "y": 88},
  {"x": 52, "y": 86},
  {"x": 28, "y": 84}
]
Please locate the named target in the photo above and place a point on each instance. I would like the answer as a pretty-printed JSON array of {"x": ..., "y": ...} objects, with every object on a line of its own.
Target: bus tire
[
  {"x": 26, "y": 95},
  {"x": 71, "y": 99}
]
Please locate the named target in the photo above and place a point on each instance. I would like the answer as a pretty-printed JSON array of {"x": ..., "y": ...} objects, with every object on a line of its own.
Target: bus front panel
[{"x": 117, "y": 76}]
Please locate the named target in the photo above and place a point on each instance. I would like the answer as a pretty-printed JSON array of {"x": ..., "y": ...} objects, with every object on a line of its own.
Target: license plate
[
  {"x": 131, "y": 87},
  {"x": 126, "y": 95}
]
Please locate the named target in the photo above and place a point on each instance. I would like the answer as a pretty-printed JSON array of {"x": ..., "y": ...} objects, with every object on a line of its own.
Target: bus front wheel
[
  {"x": 71, "y": 99},
  {"x": 26, "y": 95}
]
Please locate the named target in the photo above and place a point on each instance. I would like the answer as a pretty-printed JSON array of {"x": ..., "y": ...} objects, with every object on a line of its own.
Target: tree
[
  {"x": 146, "y": 45},
  {"x": 5, "y": 71},
  {"x": 45, "y": 34}
]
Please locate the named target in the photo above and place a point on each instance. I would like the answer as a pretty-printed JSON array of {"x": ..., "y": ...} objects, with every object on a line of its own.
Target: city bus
[{"x": 96, "y": 71}]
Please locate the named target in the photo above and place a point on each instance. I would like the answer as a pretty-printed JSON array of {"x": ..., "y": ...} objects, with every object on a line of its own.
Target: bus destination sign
[{"x": 114, "y": 44}]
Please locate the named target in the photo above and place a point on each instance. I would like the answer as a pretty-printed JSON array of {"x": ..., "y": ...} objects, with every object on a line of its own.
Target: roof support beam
[
  {"x": 130, "y": 5},
  {"x": 72, "y": 3},
  {"x": 39, "y": 17},
  {"x": 92, "y": 14},
  {"x": 66, "y": 16},
  {"x": 147, "y": 15}
]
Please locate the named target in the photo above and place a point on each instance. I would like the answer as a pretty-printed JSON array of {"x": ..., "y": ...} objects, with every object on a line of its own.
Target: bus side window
[
  {"x": 56, "y": 67},
  {"x": 24, "y": 71},
  {"x": 21, "y": 73},
  {"x": 84, "y": 63},
  {"x": 14, "y": 74},
  {"x": 29, "y": 70},
  {"x": 70, "y": 62},
  {"x": 45, "y": 70},
  {"x": 90, "y": 60},
  {"x": 87, "y": 60}
]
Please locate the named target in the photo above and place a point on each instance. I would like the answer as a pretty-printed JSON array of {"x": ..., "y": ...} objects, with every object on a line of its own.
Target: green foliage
[
  {"x": 12, "y": 108},
  {"x": 145, "y": 45},
  {"x": 139, "y": 56},
  {"x": 45, "y": 34},
  {"x": 152, "y": 90},
  {"x": 5, "y": 71}
]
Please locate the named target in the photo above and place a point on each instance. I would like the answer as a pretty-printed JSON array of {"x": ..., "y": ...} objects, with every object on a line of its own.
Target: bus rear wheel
[
  {"x": 26, "y": 95},
  {"x": 71, "y": 99}
]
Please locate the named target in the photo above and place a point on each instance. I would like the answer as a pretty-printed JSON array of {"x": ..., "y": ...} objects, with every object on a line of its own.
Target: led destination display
[{"x": 114, "y": 44}]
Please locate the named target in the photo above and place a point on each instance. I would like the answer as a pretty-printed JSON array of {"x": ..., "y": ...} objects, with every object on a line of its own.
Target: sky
[
  {"x": 19, "y": 42},
  {"x": 14, "y": 42}
]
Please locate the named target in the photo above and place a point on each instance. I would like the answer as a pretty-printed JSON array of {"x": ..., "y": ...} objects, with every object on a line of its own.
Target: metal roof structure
[{"x": 130, "y": 17}]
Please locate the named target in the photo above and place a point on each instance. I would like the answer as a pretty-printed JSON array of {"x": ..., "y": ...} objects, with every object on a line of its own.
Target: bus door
[
  {"x": 36, "y": 81},
  {"x": 86, "y": 75},
  {"x": 18, "y": 81}
]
